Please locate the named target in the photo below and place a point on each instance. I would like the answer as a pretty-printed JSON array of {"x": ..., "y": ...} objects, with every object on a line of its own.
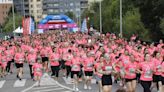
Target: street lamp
[
  {"x": 13, "y": 15},
  {"x": 100, "y": 17},
  {"x": 121, "y": 35}
]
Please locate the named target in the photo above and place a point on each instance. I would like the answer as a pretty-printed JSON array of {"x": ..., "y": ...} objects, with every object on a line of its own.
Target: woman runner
[
  {"x": 88, "y": 70},
  {"x": 75, "y": 69},
  {"x": 37, "y": 70},
  {"x": 106, "y": 68},
  {"x": 54, "y": 62},
  {"x": 19, "y": 60},
  {"x": 130, "y": 74},
  {"x": 146, "y": 69}
]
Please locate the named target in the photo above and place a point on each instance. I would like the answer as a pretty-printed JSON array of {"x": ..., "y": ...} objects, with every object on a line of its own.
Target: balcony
[{"x": 49, "y": 1}]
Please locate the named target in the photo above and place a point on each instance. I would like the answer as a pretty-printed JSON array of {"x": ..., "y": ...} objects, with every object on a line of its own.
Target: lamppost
[
  {"x": 121, "y": 35},
  {"x": 13, "y": 15},
  {"x": 100, "y": 17}
]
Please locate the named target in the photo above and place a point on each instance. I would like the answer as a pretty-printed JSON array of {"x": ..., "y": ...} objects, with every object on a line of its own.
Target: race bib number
[
  {"x": 125, "y": 61},
  {"x": 3, "y": 60},
  {"x": 90, "y": 65},
  {"x": 131, "y": 70},
  {"x": 159, "y": 68},
  {"x": 74, "y": 67},
  {"x": 148, "y": 74},
  {"x": 32, "y": 61},
  {"x": 21, "y": 60},
  {"x": 108, "y": 68},
  {"x": 38, "y": 69}
]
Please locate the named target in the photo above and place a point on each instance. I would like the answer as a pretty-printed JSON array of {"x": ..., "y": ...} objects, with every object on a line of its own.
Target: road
[{"x": 11, "y": 84}]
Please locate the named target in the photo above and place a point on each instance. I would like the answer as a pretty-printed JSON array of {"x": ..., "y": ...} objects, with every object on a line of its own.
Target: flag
[{"x": 84, "y": 26}]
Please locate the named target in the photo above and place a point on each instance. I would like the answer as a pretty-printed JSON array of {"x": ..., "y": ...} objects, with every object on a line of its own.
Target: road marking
[
  {"x": 45, "y": 87},
  {"x": 64, "y": 86},
  {"x": 46, "y": 80},
  {"x": 93, "y": 81},
  {"x": 20, "y": 83},
  {"x": 67, "y": 80},
  {"x": 2, "y": 83},
  {"x": 49, "y": 90}
]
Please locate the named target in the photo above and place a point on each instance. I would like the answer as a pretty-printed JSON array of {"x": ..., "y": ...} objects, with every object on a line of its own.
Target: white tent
[{"x": 18, "y": 30}]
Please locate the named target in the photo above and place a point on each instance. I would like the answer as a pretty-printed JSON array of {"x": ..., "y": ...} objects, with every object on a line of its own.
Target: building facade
[
  {"x": 5, "y": 6},
  {"x": 22, "y": 7},
  {"x": 63, "y": 6},
  {"x": 35, "y": 8}
]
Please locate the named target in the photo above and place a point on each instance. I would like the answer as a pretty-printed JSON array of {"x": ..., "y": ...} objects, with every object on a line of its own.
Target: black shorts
[
  {"x": 156, "y": 78},
  {"x": 88, "y": 73},
  {"x": 44, "y": 59},
  {"x": 129, "y": 80},
  {"x": 106, "y": 80},
  {"x": 75, "y": 72},
  {"x": 18, "y": 65},
  {"x": 62, "y": 64},
  {"x": 162, "y": 79},
  {"x": 12, "y": 60}
]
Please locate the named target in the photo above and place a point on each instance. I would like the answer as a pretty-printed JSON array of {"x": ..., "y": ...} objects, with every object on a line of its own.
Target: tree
[
  {"x": 162, "y": 26},
  {"x": 8, "y": 26},
  {"x": 70, "y": 14},
  {"x": 133, "y": 25}
]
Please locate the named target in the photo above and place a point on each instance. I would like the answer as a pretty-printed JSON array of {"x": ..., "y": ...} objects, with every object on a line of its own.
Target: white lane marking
[
  {"x": 20, "y": 83},
  {"x": 49, "y": 90},
  {"x": 67, "y": 80},
  {"x": 93, "y": 81},
  {"x": 27, "y": 89},
  {"x": 45, "y": 87},
  {"x": 64, "y": 86},
  {"x": 2, "y": 83},
  {"x": 44, "y": 79}
]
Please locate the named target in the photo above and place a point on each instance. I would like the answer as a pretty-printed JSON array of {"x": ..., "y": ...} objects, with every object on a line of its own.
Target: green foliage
[
  {"x": 133, "y": 25},
  {"x": 142, "y": 17},
  {"x": 8, "y": 25},
  {"x": 162, "y": 26},
  {"x": 70, "y": 14}
]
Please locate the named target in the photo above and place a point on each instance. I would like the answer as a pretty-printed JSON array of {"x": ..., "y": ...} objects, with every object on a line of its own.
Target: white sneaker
[
  {"x": 85, "y": 86},
  {"x": 77, "y": 89},
  {"x": 74, "y": 88},
  {"x": 89, "y": 88}
]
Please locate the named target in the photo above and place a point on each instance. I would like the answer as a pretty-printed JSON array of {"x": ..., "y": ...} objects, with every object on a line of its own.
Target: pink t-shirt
[
  {"x": 19, "y": 58},
  {"x": 37, "y": 69},
  {"x": 44, "y": 52},
  {"x": 96, "y": 65},
  {"x": 68, "y": 57},
  {"x": 107, "y": 66},
  {"x": 147, "y": 71},
  {"x": 157, "y": 67},
  {"x": 162, "y": 74},
  {"x": 124, "y": 59},
  {"x": 130, "y": 70},
  {"x": 88, "y": 64},
  {"x": 31, "y": 58},
  {"x": 9, "y": 54},
  {"x": 2, "y": 49},
  {"x": 54, "y": 59},
  {"x": 3, "y": 60},
  {"x": 75, "y": 63}
]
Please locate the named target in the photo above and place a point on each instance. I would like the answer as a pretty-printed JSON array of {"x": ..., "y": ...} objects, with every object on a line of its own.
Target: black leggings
[
  {"x": 55, "y": 71},
  {"x": 32, "y": 75},
  {"x": 146, "y": 85},
  {"x": 68, "y": 68},
  {"x": 8, "y": 66}
]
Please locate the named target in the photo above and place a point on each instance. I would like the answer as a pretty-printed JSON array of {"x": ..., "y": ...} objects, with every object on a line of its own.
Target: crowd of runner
[{"x": 105, "y": 57}]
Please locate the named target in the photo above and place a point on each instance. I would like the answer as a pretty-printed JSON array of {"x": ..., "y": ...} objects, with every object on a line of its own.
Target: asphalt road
[{"x": 11, "y": 84}]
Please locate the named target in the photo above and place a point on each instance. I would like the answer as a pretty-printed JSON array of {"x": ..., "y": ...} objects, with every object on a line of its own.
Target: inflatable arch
[{"x": 69, "y": 23}]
